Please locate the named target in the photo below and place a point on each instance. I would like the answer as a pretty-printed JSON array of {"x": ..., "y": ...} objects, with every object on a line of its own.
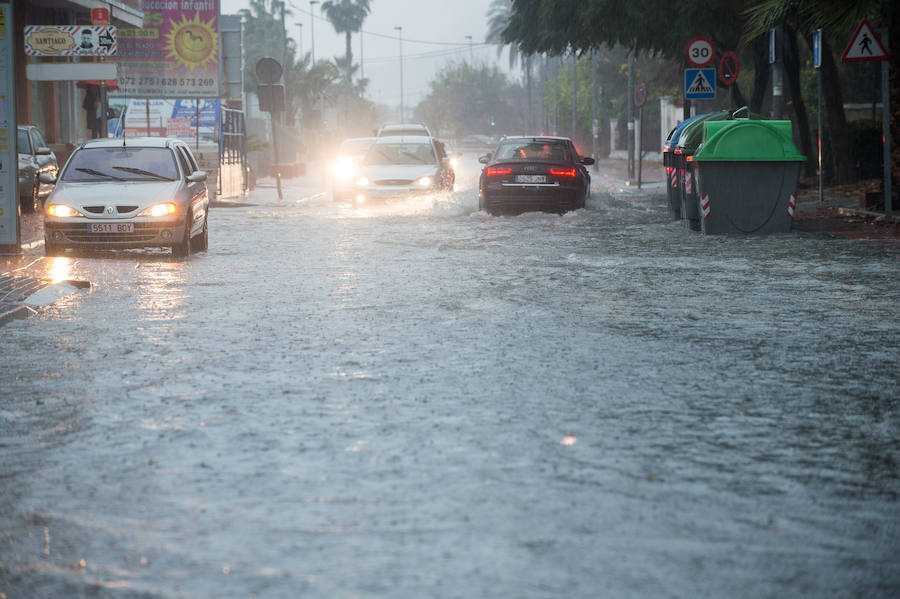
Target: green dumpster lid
[
  {"x": 692, "y": 134},
  {"x": 748, "y": 141}
]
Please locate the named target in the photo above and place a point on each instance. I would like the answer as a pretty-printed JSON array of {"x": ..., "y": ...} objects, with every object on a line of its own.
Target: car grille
[
  {"x": 122, "y": 209},
  {"x": 396, "y": 182},
  {"x": 143, "y": 232}
]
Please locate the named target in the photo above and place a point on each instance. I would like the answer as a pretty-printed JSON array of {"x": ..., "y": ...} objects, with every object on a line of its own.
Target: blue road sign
[
  {"x": 817, "y": 49},
  {"x": 699, "y": 84}
]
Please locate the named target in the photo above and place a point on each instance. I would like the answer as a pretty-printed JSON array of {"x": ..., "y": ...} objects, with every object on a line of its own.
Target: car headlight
[
  {"x": 159, "y": 210},
  {"x": 343, "y": 169},
  {"x": 62, "y": 211},
  {"x": 423, "y": 181},
  {"x": 362, "y": 181}
]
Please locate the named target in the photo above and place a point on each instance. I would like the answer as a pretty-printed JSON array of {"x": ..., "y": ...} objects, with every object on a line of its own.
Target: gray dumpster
[{"x": 746, "y": 176}]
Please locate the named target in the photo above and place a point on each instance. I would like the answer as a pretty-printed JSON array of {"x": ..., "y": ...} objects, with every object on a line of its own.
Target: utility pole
[
  {"x": 312, "y": 30},
  {"x": 595, "y": 124},
  {"x": 362, "y": 61},
  {"x": 777, "y": 73},
  {"x": 471, "y": 54},
  {"x": 400, "y": 29},
  {"x": 299, "y": 40},
  {"x": 629, "y": 115}
]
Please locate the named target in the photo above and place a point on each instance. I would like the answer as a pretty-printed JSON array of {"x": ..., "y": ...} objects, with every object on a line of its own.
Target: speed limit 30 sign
[{"x": 700, "y": 52}]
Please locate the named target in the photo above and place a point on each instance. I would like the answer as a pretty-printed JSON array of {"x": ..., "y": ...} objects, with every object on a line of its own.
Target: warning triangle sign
[
  {"x": 865, "y": 45},
  {"x": 700, "y": 85}
]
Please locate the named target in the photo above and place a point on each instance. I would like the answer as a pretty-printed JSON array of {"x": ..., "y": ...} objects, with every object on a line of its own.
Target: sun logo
[{"x": 192, "y": 43}]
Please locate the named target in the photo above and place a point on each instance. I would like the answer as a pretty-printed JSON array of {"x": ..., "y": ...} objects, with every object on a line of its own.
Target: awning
[{"x": 110, "y": 83}]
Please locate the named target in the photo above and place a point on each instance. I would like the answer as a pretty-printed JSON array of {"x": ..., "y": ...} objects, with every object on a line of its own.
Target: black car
[{"x": 527, "y": 174}]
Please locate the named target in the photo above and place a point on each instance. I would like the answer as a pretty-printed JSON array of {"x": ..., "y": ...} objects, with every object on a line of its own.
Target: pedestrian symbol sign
[
  {"x": 865, "y": 45},
  {"x": 699, "y": 84}
]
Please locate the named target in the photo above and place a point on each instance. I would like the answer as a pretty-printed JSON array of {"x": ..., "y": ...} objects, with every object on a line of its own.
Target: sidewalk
[{"x": 25, "y": 278}]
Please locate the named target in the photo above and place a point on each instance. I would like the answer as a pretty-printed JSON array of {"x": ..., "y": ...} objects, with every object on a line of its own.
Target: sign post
[
  {"x": 817, "y": 64},
  {"x": 640, "y": 98},
  {"x": 268, "y": 72},
  {"x": 866, "y": 45}
]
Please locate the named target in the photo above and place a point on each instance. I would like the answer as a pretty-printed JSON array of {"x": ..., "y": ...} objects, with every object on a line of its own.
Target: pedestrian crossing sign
[
  {"x": 699, "y": 84},
  {"x": 865, "y": 45}
]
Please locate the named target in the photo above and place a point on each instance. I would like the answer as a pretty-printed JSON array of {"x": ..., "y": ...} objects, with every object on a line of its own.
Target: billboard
[
  {"x": 167, "y": 118},
  {"x": 175, "y": 54},
  {"x": 70, "y": 40}
]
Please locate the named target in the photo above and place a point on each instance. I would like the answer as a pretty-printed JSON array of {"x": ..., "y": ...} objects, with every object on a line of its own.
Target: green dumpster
[
  {"x": 689, "y": 139},
  {"x": 746, "y": 176}
]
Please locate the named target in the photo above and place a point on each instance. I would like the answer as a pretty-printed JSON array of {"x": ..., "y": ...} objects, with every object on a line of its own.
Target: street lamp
[
  {"x": 312, "y": 30},
  {"x": 400, "y": 29},
  {"x": 471, "y": 56},
  {"x": 299, "y": 40}
]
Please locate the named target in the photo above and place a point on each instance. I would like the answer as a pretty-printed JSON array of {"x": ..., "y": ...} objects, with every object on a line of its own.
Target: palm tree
[
  {"x": 347, "y": 17},
  {"x": 498, "y": 15}
]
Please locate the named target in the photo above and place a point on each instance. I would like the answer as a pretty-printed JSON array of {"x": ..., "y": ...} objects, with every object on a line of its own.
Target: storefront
[{"x": 57, "y": 107}]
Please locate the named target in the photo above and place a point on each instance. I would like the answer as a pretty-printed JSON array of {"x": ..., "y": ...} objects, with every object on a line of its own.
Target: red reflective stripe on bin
[
  {"x": 673, "y": 177},
  {"x": 704, "y": 205},
  {"x": 688, "y": 182},
  {"x": 791, "y": 204}
]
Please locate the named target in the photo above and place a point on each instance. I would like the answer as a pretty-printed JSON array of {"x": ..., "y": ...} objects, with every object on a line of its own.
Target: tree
[
  {"x": 498, "y": 19},
  {"x": 806, "y": 16},
  {"x": 347, "y": 17},
  {"x": 465, "y": 99}
]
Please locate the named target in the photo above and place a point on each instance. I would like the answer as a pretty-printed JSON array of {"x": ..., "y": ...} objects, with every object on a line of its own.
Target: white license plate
[
  {"x": 531, "y": 178},
  {"x": 111, "y": 228}
]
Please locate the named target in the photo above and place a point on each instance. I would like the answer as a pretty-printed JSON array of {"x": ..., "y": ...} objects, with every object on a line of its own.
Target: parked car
[
  {"x": 402, "y": 167},
  {"x": 345, "y": 166},
  {"x": 404, "y": 129},
  {"x": 129, "y": 193},
  {"x": 35, "y": 159},
  {"x": 533, "y": 174}
]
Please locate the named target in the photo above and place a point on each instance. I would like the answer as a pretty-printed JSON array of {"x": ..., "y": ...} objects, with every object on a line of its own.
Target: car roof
[
  {"x": 372, "y": 139},
  {"x": 404, "y": 138},
  {"x": 135, "y": 142},
  {"x": 397, "y": 127}
]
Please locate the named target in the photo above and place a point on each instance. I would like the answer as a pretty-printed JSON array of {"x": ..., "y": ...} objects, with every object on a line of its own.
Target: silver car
[
  {"x": 35, "y": 159},
  {"x": 128, "y": 193}
]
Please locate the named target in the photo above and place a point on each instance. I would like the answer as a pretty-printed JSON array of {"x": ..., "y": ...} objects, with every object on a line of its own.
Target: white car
[
  {"x": 345, "y": 166},
  {"x": 401, "y": 167},
  {"x": 404, "y": 129},
  {"x": 128, "y": 193}
]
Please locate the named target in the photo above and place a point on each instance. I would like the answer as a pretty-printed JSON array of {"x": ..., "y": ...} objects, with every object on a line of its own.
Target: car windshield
[
  {"x": 536, "y": 150},
  {"x": 400, "y": 153},
  {"x": 122, "y": 164},
  {"x": 23, "y": 145},
  {"x": 355, "y": 146}
]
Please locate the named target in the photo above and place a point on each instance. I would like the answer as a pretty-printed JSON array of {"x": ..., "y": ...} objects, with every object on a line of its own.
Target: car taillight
[
  {"x": 492, "y": 172},
  {"x": 563, "y": 172}
]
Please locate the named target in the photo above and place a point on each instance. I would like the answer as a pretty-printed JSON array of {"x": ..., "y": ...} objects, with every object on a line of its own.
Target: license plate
[
  {"x": 531, "y": 178},
  {"x": 111, "y": 228}
]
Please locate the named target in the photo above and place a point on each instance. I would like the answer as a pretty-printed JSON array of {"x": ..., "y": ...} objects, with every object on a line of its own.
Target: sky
[{"x": 430, "y": 28}]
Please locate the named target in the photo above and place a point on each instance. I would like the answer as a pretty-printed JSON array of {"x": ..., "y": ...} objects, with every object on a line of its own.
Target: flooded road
[{"x": 420, "y": 400}]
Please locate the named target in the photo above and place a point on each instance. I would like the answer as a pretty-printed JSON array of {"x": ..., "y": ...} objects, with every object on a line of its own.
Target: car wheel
[
  {"x": 183, "y": 249},
  {"x": 200, "y": 243},
  {"x": 31, "y": 202}
]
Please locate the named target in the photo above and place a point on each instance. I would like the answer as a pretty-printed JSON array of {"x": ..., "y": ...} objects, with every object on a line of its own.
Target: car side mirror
[
  {"x": 47, "y": 178},
  {"x": 43, "y": 151},
  {"x": 587, "y": 160},
  {"x": 197, "y": 177},
  {"x": 485, "y": 159}
]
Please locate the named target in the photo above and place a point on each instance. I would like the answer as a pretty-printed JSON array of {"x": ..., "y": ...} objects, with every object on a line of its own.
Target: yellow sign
[
  {"x": 2, "y": 21},
  {"x": 50, "y": 42}
]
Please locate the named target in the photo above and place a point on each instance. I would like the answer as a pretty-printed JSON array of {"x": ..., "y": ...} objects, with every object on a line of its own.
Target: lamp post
[
  {"x": 400, "y": 29},
  {"x": 312, "y": 30},
  {"x": 471, "y": 55},
  {"x": 299, "y": 40}
]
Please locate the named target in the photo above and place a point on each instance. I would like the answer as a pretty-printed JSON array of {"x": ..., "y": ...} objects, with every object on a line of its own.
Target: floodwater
[{"x": 421, "y": 400}]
